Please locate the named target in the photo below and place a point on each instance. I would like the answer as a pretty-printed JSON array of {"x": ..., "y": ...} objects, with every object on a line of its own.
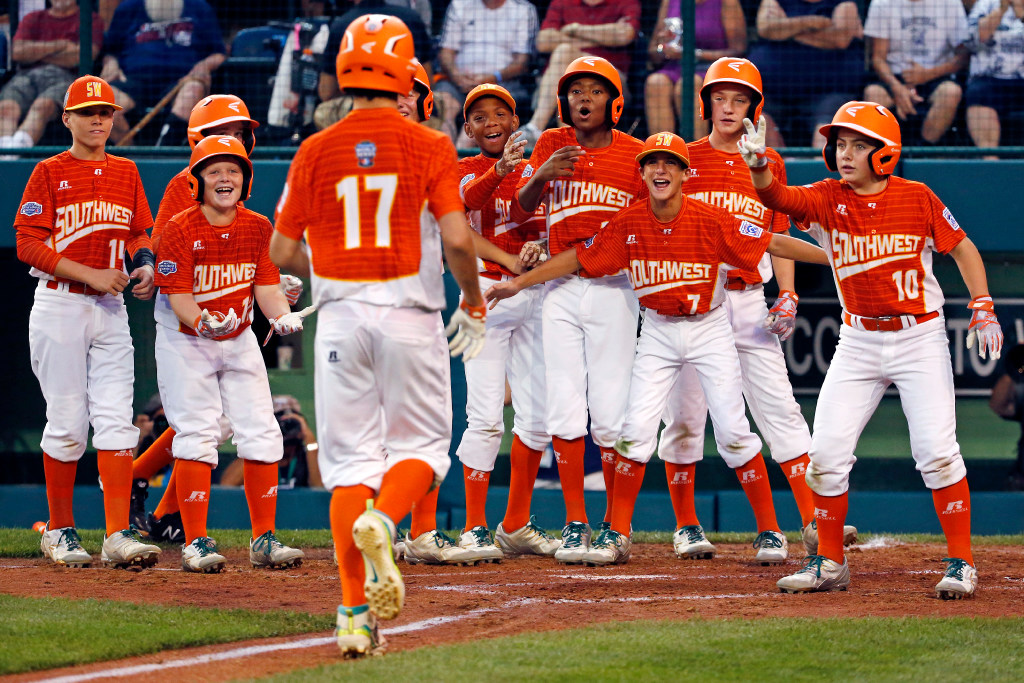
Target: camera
[{"x": 291, "y": 430}]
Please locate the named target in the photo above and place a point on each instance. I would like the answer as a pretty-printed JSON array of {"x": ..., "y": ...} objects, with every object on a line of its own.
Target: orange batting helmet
[
  {"x": 869, "y": 119},
  {"x": 669, "y": 143},
  {"x": 421, "y": 83},
  {"x": 592, "y": 66},
  {"x": 376, "y": 54},
  {"x": 210, "y": 148},
  {"x": 89, "y": 91},
  {"x": 216, "y": 110},
  {"x": 733, "y": 70}
]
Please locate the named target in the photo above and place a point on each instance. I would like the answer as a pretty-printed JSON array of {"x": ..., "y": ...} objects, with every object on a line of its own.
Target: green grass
[
  {"x": 870, "y": 649},
  {"x": 44, "y": 633}
]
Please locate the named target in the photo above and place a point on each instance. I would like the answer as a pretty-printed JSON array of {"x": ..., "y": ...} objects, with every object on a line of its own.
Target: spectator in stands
[
  {"x": 333, "y": 106},
  {"x": 996, "y": 84},
  {"x": 720, "y": 31},
  {"x": 1007, "y": 401},
  {"x": 483, "y": 41},
  {"x": 571, "y": 29},
  {"x": 150, "y": 47},
  {"x": 811, "y": 58},
  {"x": 917, "y": 47},
  {"x": 45, "y": 48}
]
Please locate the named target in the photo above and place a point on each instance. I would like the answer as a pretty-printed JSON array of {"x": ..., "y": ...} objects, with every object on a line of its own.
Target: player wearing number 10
[{"x": 375, "y": 196}]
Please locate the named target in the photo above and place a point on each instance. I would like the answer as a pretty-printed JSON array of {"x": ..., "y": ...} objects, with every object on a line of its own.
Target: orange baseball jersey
[
  {"x": 488, "y": 200},
  {"x": 86, "y": 211},
  {"x": 880, "y": 245},
  {"x": 605, "y": 180},
  {"x": 177, "y": 198},
  {"x": 722, "y": 179},
  {"x": 218, "y": 265},
  {"x": 678, "y": 267},
  {"x": 365, "y": 193}
]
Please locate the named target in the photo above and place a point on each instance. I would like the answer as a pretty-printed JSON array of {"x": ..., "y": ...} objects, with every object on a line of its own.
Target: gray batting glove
[
  {"x": 751, "y": 145},
  {"x": 467, "y": 329}
]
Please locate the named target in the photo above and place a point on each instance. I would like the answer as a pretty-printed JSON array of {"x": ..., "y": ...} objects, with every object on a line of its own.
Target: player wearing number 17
[
  {"x": 376, "y": 197},
  {"x": 880, "y": 232}
]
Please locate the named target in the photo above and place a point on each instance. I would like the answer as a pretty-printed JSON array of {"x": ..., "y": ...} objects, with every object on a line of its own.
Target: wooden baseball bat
[{"x": 164, "y": 101}]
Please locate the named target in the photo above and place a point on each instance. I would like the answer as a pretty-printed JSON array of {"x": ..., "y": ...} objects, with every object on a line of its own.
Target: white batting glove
[
  {"x": 291, "y": 287},
  {"x": 984, "y": 327},
  {"x": 781, "y": 317},
  {"x": 216, "y": 325},
  {"x": 468, "y": 325},
  {"x": 289, "y": 323},
  {"x": 751, "y": 145}
]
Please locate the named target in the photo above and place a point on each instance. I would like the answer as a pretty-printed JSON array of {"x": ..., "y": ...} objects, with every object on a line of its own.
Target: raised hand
[{"x": 751, "y": 145}]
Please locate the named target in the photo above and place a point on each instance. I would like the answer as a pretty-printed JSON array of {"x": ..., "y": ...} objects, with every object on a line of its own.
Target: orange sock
[
  {"x": 260, "y": 481},
  {"x": 424, "y": 514},
  {"x": 169, "y": 503},
  {"x": 681, "y": 484},
  {"x": 155, "y": 458},
  {"x": 347, "y": 503},
  {"x": 569, "y": 457},
  {"x": 953, "y": 505},
  {"x": 795, "y": 470},
  {"x": 476, "y": 482},
  {"x": 60, "y": 490},
  {"x": 608, "y": 456},
  {"x": 404, "y": 484},
  {"x": 754, "y": 479},
  {"x": 629, "y": 476},
  {"x": 193, "y": 496},
  {"x": 116, "y": 472},
  {"x": 830, "y": 515},
  {"x": 525, "y": 462}
]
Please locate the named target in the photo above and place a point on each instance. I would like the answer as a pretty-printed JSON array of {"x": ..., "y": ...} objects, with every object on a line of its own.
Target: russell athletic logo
[
  {"x": 749, "y": 476},
  {"x": 797, "y": 470},
  {"x": 196, "y": 497},
  {"x": 680, "y": 477},
  {"x": 607, "y": 456},
  {"x": 820, "y": 513},
  {"x": 271, "y": 492},
  {"x": 953, "y": 507},
  {"x": 478, "y": 475},
  {"x": 624, "y": 468}
]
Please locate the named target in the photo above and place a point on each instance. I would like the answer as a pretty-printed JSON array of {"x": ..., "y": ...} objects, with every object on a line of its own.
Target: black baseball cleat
[
  {"x": 166, "y": 529},
  {"x": 137, "y": 508}
]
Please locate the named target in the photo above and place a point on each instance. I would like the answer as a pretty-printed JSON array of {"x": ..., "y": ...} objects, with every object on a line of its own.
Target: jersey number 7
[{"x": 349, "y": 192}]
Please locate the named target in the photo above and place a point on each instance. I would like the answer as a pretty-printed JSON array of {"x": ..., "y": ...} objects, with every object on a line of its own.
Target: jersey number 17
[{"x": 350, "y": 190}]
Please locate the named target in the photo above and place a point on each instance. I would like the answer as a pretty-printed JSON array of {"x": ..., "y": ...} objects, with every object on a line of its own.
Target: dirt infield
[{"x": 453, "y": 604}]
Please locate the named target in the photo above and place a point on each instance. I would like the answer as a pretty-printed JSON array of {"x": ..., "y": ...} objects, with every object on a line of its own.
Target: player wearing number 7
[
  {"x": 880, "y": 232},
  {"x": 376, "y": 196}
]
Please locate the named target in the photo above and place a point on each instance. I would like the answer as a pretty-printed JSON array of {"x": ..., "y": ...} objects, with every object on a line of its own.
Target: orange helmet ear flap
[
  {"x": 733, "y": 70},
  {"x": 214, "y": 147},
  {"x": 592, "y": 66},
  {"x": 425, "y": 96}
]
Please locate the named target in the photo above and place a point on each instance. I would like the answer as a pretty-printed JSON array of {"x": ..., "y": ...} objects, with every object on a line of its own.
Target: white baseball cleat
[
  {"x": 63, "y": 547},
  {"x": 201, "y": 556},
  {"x": 960, "y": 581},
  {"x": 125, "y": 550},
  {"x": 477, "y": 542},
  {"x": 772, "y": 548},
  {"x": 267, "y": 551},
  {"x": 819, "y": 574},
  {"x": 575, "y": 542},
  {"x": 690, "y": 543},
  {"x": 357, "y": 632},
  {"x": 810, "y": 537},
  {"x": 610, "y": 547},
  {"x": 528, "y": 540},
  {"x": 434, "y": 547},
  {"x": 374, "y": 533}
]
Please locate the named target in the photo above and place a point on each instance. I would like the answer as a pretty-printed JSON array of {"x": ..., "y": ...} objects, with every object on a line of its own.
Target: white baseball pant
[
  {"x": 667, "y": 344},
  {"x": 201, "y": 380},
  {"x": 766, "y": 388},
  {"x": 81, "y": 352},
  {"x": 383, "y": 391},
  {"x": 589, "y": 344},
  {"x": 514, "y": 346},
  {"x": 916, "y": 360}
]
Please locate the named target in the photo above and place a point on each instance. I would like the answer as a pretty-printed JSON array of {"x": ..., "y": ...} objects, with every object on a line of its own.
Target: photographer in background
[
  {"x": 1008, "y": 403},
  {"x": 151, "y": 423},
  {"x": 298, "y": 468}
]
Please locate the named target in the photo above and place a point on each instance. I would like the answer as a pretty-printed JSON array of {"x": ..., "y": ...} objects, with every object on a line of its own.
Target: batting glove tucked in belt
[
  {"x": 291, "y": 287},
  {"x": 782, "y": 316},
  {"x": 216, "y": 325},
  {"x": 984, "y": 327},
  {"x": 468, "y": 327},
  {"x": 752, "y": 145}
]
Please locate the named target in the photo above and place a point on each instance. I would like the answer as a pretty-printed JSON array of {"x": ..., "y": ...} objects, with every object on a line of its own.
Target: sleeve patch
[
  {"x": 528, "y": 171},
  {"x": 946, "y": 213},
  {"x": 750, "y": 230},
  {"x": 589, "y": 242},
  {"x": 467, "y": 178},
  {"x": 31, "y": 209},
  {"x": 167, "y": 267}
]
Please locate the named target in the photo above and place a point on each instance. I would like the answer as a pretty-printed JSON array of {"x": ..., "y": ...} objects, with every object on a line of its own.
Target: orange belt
[
  {"x": 890, "y": 324},
  {"x": 735, "y": 284},
  {"x": 74, "y": 287}
]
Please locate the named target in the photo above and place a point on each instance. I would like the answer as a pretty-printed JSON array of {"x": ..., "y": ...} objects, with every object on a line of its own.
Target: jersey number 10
[
  {"x": 349, "y": 192},
  {"x": 906, "y": 284}
]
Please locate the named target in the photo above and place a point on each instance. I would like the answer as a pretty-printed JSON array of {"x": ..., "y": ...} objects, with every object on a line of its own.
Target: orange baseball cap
[
  {"x": 488, "y": 90},
  {"x": 669, "y": 143},
  {"x": 89, "y": 91}
]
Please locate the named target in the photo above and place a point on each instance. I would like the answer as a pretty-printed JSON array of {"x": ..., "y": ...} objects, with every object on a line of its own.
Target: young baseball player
[
  {"x": 213, "y": 115},
  {"x": 584, "y": 173},
  {"x": 732, "y": 91},
  {"x": 677, "y": 252},
  {"x": 80, "y": 212},
  {"x": 213, "y": 265},
  {"x": 880, "y": 232},
  {"x": 376, "y": 196}
]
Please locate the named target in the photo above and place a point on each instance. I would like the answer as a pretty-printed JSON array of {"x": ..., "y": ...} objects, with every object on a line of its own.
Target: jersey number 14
[{"x": 349, "y": 192}]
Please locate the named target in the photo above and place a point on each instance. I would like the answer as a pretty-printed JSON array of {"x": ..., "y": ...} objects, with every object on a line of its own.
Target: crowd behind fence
[{"x": 953, "y": 71}]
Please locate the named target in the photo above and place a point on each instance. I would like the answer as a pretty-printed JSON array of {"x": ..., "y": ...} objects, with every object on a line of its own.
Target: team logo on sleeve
[
  {"x": 465, "y": 180},
  {"x": 528, "y": 171},
  {"x": 31, "y": 209},
  {"x": 750, "y": 230},
  {"x": 589, "y": 241},
  {"x": 366, "y": 154},
  {"x": 167, "y": 267},
  {"x": 945, "y": 214}
]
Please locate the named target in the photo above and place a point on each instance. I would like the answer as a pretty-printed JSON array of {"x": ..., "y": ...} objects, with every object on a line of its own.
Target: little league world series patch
[
  {"x": 366, "y": 154},
  {"x": 750, "y": 230},
  {"x": 31, "y": 209},
  {"x": 167, "y": 267}
]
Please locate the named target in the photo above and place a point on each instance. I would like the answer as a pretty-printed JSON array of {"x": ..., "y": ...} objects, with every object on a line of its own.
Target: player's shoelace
[
  {"x": 607, "y": 539},
  {"x": 768, "y": 539},
  {"x": 813, "y": 564},
  {"x": 956, "y": 567},
  {"x": 694, "y": 534},
  {"x": 442, "y": 541},
  {"x": 69, "y": 537},
  {"x": 205, "y": 546},
  {"x": 532, "y": 527},
  {"x": 481, "y": 536},
  {"x": 572, "y": 537},
  {"x": 266, "y": 543}
]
